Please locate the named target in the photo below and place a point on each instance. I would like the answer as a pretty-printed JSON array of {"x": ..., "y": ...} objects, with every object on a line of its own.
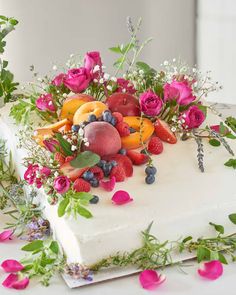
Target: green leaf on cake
[
  {"x": 214, "y": 142},
  {"x": 33, "y": 246},
  {"x": 85, "y": 159},
  {"x": 222, "y": 258},
  {"x": 65, "y": 145},
  {"x": 232, "y": 218},
  {"x": 54, "y": 247},
  {"x": 219, "y": 228},
  {"x": 62, "y": 207},
  {"x": 84, "y": 212},
  {"x": 231, "y": 163},
  {"x": 203, "y": 254}
]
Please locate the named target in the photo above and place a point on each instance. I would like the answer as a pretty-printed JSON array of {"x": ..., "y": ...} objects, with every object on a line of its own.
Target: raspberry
[
  {"x": 97, "y": 171},
  {"x": 118, "y": 172},
  {"x": 155, "y": 146},
  {"x": 123, "y": 129},
  {"x": 81, "y": 185},
  {"x": 69, "y": 158},
  {"x": 59, "y": 158},
  {"x": 118, "y": 116}
]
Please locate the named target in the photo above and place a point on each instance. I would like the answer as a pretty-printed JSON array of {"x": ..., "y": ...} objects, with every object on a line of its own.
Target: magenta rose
[
  {"x": 62, "y": 184},
  {"x": 59, "y": 80},
  {"x": 181, "y": 91},
  {"x": 51, "y": 144},
  {"x": 30, "y": 173},
  {"x": 125, "y": 86},
  {"x": 193, "y": 117},
  {"x": 150, "y": 103},
  {"x": 45, "y": 103},
  {"x": 92, "y": 59},
  {"x": 77, "y": 80}
]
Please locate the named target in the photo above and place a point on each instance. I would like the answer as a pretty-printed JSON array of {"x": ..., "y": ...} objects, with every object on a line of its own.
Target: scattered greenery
[
  {"x": 231, "y": 163},
  {"x": 231, "y": 122},
  {"x": 7, "y": 83}
]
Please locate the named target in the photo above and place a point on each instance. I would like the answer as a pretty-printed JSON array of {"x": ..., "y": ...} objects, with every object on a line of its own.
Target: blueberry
[
  {"x": 151, "y": 170},
  {"x": 132, "y": 130},
  {"x": 150, "y": 179},
  {"x": 94, "y": 200},
  {"x": 92, "y": 118},
  {"x": 94, "y": 182},
  {"x": 101, "y": 163},
  {"x": 113, "y": 121},
  {"x": 122, "y": 151},
  {"x": 107, "y": 169},
  {"x": 88, "y": 175},
  {"x": 107, "y": 116},
  {"x": 75, "y": 128},
  {"x": 113, "y": 163}
]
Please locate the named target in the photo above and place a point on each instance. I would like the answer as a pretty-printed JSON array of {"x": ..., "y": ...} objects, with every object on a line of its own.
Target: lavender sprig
[
  {"x": 222, "y": 140},
  {"x": 200, "y": 153}
]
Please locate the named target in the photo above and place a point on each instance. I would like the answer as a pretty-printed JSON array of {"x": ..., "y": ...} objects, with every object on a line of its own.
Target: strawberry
[
  {"x": 137, "y": 158},
  {"x": 81, "y": 185},
  {"x": 118, "y": 172},
  {"x": 72, "y": 172},
  {"x": 59, "y": 158},
  {"x": 118, "y": 116},
  {"x": 123, "y": 161},
  {"x": 155, "y": 146},
  {"x": 97, "y": 171},
  {"x": 163, "y": 131},
  {"x": 69, "y": 158},
  {"x": 123, "y": 129}
]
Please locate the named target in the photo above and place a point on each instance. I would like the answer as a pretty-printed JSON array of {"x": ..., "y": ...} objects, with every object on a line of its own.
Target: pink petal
[
  {"x": 11, "y": 278},
  {"x": 150, "y": 279},
  {"x": 20, "y": 285},
  {"x": 5, "y": 235},
  {"x": 108, "y": 185},
  {"x": 121, "y": 197},
  {"x": 211, "y": 270},
  {"x": 11, "y": 265}
]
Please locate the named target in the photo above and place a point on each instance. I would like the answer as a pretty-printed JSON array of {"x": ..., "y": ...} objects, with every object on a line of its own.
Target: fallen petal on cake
[
  {"x": 150, "y": 279},
  {"x": 108, "y": 185},
  {"x": 10, "y": 279},
  {"x": 6, "y": 235},
  {"x": 12, "y": 282},
  {"x": 211, "y": 270},
  {"x": 11, "y": 265},
  {"x": 20, "y": 285},
  {"x": 121, "y": 198}
]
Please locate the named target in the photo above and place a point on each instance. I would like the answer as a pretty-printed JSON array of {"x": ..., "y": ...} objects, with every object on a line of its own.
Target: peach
[
  {"x": 133, "y": 141},
  {"x": 93, "y": 107},
  {"x": 72, "y": 103},
  {"x": 103, "y": 138}
]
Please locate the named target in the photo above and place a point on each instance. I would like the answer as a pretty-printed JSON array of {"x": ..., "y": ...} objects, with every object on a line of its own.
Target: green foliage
[
  {"x": 231, "y": 122},
  {"x": 85, "y": 159},
  {"x": 232, "y": 218},
  {"x": 33, "y": 246},
  {"x": 219, "y": 228},
  {"x": 64, "y": 144},
  {"x": 7, "y": 84},
  {"x": 214, "y": 142},
  {"x": 22, "y": 111},
  {"x": 231, "y": 163}
]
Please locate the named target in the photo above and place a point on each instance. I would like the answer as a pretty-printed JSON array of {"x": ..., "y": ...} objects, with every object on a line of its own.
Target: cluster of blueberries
[
  {"x": 150, "y": 172},
  {"x": 107, "y": 166}
]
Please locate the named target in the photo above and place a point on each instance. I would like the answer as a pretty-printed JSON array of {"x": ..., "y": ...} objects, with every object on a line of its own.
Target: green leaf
[
  {"x": 232, "y": 218},
  {"x": 203, "y": 109},
  {"x": 118, "y": 62},
  {"x": 231, "y": 163},
  {"x": 203, "y": 254},
  {"x": 127, "y": 48},
  {"x": 54, "y": 247},
  {"x": 143, "y": 66},
  {"x": 230, "y": 135},
  {"x": 65, "y": 145},
  {"x": 219, "y": 228},
  {"x": 116, "y": 49},
  {"x": 4, "y": 64},
  {"x": 231, "y": 122},
  {"x": 82, "y": 196},
  {"x": 35, "y": 245},
  {"x": 85, "y": 159},
  {"x": 84, "y": 212},
  {"x": 214, "y": 142},
  {"x": 222, "y": 258},
  {"x": 13, "y": 21},
  {"x": 189, "y": 238},
  {"x": 214, "y": 255},
  {"x": 62, "y": 207}
]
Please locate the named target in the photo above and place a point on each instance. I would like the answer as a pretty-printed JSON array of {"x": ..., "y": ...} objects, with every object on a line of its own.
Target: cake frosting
[{"x": 181, "y": 202}]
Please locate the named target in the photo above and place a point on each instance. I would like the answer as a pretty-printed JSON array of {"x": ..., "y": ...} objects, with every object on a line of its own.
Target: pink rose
[
  {"x": 92, "y": 59},
  {"x": 45, "y": 103},
  {"x": 77, "y": 80},
  {"x": 193, "y": 117},
  {"x": 181, "y": 91},
  {"x": 59, "y": 80},
  {"x": 125, "y": 86},
  {"x": 150, "y": 103},
  {"x": 51, "y": 145},
  {"x": 62, "y": 184}
]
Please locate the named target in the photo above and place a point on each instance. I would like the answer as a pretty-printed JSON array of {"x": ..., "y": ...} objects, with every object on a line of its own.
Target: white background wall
[{"x": 50, "y": 30}]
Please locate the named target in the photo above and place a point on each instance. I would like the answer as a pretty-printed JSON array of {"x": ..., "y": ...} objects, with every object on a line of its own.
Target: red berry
[
  {"x": 123, "y": 161},
  {"x": 137, "y": 158},
  {"x": 81, "y": 185},
  {"x": 97, "y": 171},
  {"x": 59, "y": 158},
  {"x": 155, "y": 145},
  {"x": 118, "y": 116},
  {"x": 118, "y": 172},
  {"x": 69, "y": 158},
  {"x": 123, "y": 129},
  {"x": 163, "y": 131}
]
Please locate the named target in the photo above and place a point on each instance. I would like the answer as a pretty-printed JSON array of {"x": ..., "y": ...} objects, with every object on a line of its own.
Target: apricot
[
  {"x": 72, "y": 103},
  {"x": 47, "y": 131},
  {"x": 144, "y": 129},
  {"x": 89, "y": 108}
]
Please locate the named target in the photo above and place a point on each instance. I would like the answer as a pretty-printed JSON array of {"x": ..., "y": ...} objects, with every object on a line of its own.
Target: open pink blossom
[
  {"x": 150, "y": 279},
  {"x": 59, "y": 79},
  {"x": 11, "y": 265},
  {"x": 6, "y": 235},
  {"x": 108, "y": 185},
  {"x": 92, "y": 59},
  {"x": 211, "y": 270},
  {"x": 12, "y": 282},
  {"x": 45, "y": 171},
  {"x": 121, "y": 197},
  {"x": 30, "y": 173},
  {"x": 126, "y": 86},
  {"x": 150, "y": 103},
  {"x": 62, "y": 184},
  {"x": 179, "y": 91},
  {"x": 193, "y": 117},
  {"x": 45, "y": 103},
  {"x": 77, "y": 80}
]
